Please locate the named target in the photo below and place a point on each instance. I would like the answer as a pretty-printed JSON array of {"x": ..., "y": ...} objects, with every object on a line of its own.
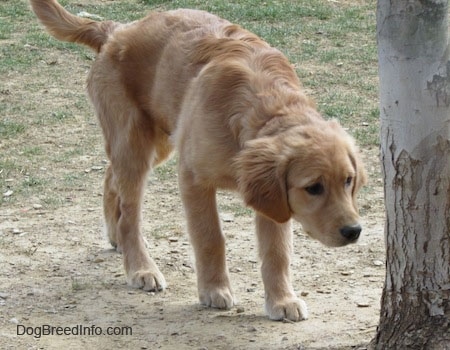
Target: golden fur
[{"x": 235, "y": 111}]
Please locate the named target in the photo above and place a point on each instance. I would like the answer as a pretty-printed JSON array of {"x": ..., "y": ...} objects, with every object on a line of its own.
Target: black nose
[{"x": 351, "y": 232}]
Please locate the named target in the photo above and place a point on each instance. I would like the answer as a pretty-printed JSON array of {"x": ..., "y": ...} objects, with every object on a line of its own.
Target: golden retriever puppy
[{"x": 234, "y": 109}]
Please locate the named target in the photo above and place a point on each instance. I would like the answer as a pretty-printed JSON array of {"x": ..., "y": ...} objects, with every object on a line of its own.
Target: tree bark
[{"x": 414, "y": 70}]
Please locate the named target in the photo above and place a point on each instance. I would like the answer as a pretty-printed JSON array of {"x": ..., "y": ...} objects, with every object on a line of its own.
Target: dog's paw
[
  {"x": 219, "y": 298},
  {"x": 292, "y": 309},
  {"x": 148, "y": 280}
]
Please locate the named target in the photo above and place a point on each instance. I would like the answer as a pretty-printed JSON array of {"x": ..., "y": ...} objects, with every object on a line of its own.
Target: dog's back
[{"x": 160, "y": 53}]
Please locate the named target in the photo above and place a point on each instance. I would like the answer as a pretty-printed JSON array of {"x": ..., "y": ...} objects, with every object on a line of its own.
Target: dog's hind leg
[
  {"x": 111, "y": 207},
  {"x": 132, "y": 151},
  {"x": 111, "y": 198},
  {"x": 133, "y": 144}
]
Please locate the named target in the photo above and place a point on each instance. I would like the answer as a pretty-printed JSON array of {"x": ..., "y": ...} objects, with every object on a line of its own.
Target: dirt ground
[{"x": 57, "y": 268}]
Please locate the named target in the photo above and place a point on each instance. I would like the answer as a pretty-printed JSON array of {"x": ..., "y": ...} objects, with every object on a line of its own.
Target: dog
[{"x": 235, "y": 111}]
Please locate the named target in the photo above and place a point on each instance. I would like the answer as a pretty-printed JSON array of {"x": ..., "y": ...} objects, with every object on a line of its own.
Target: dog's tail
[{"x": 67, "y": 27}]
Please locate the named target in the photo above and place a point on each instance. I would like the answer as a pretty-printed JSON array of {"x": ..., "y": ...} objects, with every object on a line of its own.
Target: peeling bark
[{"x": 415, "y": 151}]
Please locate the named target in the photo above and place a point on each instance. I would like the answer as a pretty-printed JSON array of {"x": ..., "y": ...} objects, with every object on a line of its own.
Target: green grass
[
  {"x": 9, "y": 128},
  {"x": 236, "y": 208},
  {"x": 167, "y": 170},
  {"x": 47, "y": 122}
]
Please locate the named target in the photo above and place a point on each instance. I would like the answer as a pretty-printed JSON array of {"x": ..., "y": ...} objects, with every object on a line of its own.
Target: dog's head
[{"x": 310, "y": 173}]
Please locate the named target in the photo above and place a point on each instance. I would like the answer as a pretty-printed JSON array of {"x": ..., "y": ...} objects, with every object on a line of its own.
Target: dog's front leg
[
  {"x": 275, "y": 249},
  {"x": 207, "y": 240}
]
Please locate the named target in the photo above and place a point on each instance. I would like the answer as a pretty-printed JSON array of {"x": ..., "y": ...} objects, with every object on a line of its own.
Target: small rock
[
  {"x": 227, "y": 217},
  {"x": 347, "y": 273},
  {"x": 304, "y": 294},
  {"x": 4, "y": 295},
  {"x": 14, "y": 320},
  {"x": 173, "y": 239},
  {"x": 363, "y": 304},
  {"x": 97, "y": 167},
  {"x": 16, "y": 231},
  {"x": 8, "y": 193},
  {"x": 378, "y": 263},
  {"x": 99, "y": 260},
  {"x": 37, "y": 206},
  {"x": 240, "y": 310}
]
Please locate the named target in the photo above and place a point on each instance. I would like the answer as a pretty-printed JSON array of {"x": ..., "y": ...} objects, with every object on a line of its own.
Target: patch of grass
[
  {"x": 167, "y": 170},
  {"x": 61, "y": 115},
  {"x": 237, "y": 209},
  {"x": 73, "y": 179},
  {"x": 52, "y": 201},
  {"x": 79, "y": 285},
  {"x": 42, "y": 95},
  {"x": 164, "y": 231},
  {"x": 7, "y": 169},
  {"x": 10, "y": 128},
  {"x": 32, "y": 151},
  {"x": 33, "y": 182},
  {"x": 369, "y": 133}
]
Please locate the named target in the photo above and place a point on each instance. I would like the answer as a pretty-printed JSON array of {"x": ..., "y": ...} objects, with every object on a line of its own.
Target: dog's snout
[{"x": 351, "y": 232}]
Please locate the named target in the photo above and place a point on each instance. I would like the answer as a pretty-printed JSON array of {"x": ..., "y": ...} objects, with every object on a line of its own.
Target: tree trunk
[{"x": 415, "y": 150}]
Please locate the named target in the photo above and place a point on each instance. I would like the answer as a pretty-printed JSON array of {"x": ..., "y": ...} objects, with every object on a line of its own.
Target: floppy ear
[{"x": 261, "y": 170}]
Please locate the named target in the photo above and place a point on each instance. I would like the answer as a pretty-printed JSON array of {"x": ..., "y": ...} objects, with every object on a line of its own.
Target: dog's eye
[
  {"x": 348, "y": 181},
  {"x": 315, "y": 190}
]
